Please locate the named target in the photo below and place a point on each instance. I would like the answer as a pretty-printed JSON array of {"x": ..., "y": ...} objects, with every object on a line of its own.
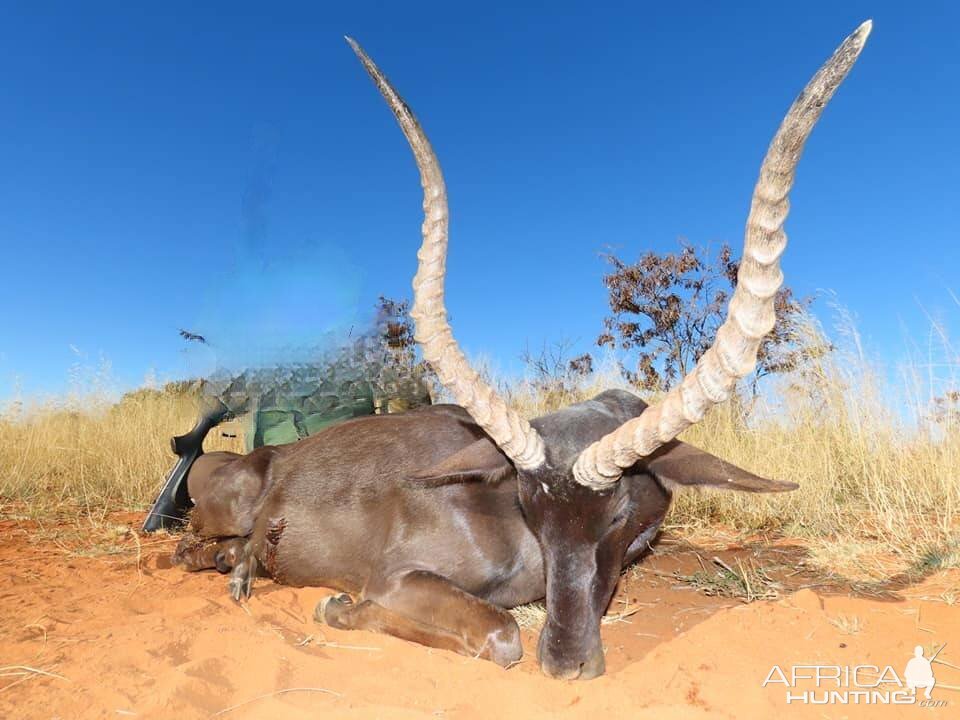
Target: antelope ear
[
  {"x": 480, "y": 461},
  {"x": 677, "y": 464}
]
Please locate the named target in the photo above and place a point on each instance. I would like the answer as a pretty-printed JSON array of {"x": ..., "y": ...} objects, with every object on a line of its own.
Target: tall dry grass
[
  {"x": 877, "y": 495},
  {"x": 879, "y": 481},
  {"x": 90, "y": 454}
]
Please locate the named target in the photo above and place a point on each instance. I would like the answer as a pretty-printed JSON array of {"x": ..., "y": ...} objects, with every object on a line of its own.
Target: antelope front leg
[{"x": 427, "y": 609}]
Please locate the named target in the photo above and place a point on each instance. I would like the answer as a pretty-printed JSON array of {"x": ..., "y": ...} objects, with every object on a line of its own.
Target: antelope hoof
[
  {"x": 240, "y": 588},
  {"x": 331, "y": 604},
  {"x": 241, "y": 581}
]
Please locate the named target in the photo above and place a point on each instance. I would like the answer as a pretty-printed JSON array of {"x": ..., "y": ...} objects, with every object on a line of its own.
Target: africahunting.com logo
[{"x": 860, "y": 684}]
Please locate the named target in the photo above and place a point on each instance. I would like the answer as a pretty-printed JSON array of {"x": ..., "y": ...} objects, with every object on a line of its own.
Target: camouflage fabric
[
  {"x": 288, "y": 403},
  {"x": 285, "y": 418}
]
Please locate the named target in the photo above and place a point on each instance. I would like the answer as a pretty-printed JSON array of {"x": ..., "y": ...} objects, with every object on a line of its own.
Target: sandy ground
[{"x": 122, "y": 634}]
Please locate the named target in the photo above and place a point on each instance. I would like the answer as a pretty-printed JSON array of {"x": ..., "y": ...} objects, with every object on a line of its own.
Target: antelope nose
[
  {"x": 561, "y": 671},
  {"x": 593, "y": 667}
]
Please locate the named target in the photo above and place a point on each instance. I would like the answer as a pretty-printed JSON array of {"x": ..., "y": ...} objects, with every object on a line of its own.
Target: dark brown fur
[{"x": 430, "y": 527}]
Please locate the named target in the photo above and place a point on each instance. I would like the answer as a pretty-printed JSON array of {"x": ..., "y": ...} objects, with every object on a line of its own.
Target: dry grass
[
  {"x": 879, "y": 495},
  {"x": 747, "y": 581},
  {"x": 875, "y": 484},
  {"x": 94, "y": 455},
  {"x": 847, "y": 624},
  {"x": 533, "y": 616}
]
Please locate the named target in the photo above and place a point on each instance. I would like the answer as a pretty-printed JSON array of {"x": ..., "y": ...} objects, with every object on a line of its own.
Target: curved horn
[
  {"x": 750, "y": 315},
  {"x": 514, "y": 435}
]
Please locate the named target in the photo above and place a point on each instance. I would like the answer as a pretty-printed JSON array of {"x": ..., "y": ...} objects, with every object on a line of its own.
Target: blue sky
[{"x": 177, "y": 164}]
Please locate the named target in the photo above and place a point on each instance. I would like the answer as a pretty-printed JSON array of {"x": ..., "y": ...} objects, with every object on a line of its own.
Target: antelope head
[{"x": 595, "y": 476}]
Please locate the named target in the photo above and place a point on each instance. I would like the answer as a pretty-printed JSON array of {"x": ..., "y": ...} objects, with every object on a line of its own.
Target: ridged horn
[
  {"x": 512, "y": 433},
  {"x": 750, "y": 315}
]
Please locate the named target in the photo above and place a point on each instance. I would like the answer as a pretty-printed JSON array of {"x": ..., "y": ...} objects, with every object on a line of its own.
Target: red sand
[{"x": 146, "y": 640}]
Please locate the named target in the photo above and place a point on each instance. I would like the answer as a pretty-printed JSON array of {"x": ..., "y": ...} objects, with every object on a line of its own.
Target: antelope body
[{"x": 436, "y": 520}]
